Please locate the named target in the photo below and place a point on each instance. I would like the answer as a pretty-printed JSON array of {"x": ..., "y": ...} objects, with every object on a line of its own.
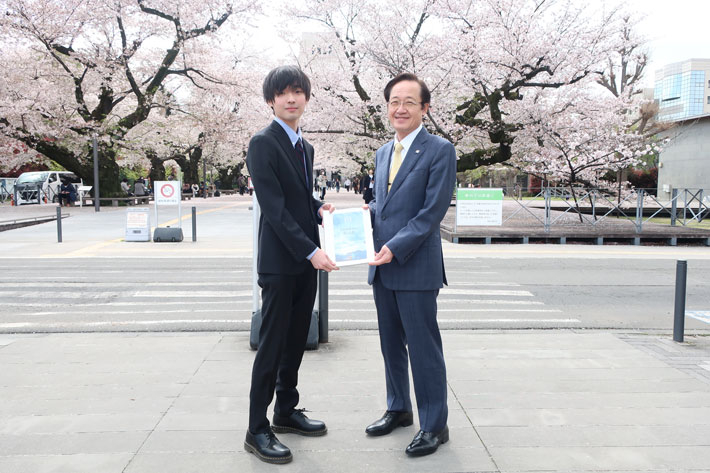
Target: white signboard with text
[
  {"x": 479, "y": 207},
  {"x": 138, "y": 224},
  {"x": 167, "y": 192}
]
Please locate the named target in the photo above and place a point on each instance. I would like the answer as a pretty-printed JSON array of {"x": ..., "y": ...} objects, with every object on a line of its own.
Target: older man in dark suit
[
  {"x": 414, "y": 181},
  {"x": 280, "y": 163}
]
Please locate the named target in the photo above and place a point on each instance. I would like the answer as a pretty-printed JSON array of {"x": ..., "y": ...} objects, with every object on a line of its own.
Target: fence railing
[
  {"x": 594, "y": 206},
  {"x": 32, "y": 195}
]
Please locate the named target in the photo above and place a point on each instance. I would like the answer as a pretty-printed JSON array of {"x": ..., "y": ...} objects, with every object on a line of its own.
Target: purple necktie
[{"x": 299, "y": 148}]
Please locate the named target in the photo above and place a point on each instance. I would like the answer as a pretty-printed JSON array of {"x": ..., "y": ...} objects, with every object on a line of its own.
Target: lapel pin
[{"x": 416, "y": 151}]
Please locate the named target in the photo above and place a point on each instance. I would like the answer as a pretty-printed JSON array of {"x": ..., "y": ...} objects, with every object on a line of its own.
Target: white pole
[{"x": 256, "y": 213}]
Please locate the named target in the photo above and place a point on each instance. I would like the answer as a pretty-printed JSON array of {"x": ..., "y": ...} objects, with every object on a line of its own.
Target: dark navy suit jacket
[
  {"x": 407, "y": 218},
  {"x": 288, "y": 226}
]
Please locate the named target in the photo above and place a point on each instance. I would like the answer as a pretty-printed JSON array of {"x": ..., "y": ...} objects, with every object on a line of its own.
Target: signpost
[
  {"x": 167, "y": 193},
  {"x": 479, "y": 207}
]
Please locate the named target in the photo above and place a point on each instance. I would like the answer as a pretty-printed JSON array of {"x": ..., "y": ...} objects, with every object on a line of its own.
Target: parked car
[{"x": 41, "y": 187}]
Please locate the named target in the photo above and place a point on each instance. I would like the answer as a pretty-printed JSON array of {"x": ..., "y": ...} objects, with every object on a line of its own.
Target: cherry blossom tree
[
  {"x": 15, "y": 154},
  {"x": 71, "y": 69},
  {"x": 485, "y": 61},
  {"x": 575, "y": 136}
]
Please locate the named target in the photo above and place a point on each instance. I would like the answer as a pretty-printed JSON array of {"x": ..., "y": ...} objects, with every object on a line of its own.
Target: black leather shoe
[
  {"x": 425, "y": 443},
  {"x": 267, "y": 447},
  {"x": 387, "y": 423},
  {"x": 298, "y": 423}
]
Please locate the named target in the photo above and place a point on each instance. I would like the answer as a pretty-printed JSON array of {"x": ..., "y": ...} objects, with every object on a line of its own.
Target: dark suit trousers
[
  {"x": 407, "y": 319},
  {"x": 287, "y": 304}
]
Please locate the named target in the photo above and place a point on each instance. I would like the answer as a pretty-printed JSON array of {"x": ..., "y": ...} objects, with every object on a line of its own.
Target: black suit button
[{"x": 384, "y": 218}]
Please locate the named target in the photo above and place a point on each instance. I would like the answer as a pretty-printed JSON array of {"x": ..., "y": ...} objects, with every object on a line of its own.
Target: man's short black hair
[
  {"x": 282, "y": 78},
  {"x": 425, "y": 94}
]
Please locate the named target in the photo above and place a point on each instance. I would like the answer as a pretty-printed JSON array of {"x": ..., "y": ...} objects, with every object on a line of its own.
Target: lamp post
[{"x": 204, "y": 177}]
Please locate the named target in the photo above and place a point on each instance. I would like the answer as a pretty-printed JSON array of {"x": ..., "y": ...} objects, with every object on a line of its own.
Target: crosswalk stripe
[
  {"x": 79, "y": 285},
  {"x": 246, "y": 323},
  {"x": 457, "y": 310},
  {"x": 225, "y": 294}
]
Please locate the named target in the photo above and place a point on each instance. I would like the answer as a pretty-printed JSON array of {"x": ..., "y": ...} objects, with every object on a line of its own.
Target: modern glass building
[{"x": 682, "y": 90}]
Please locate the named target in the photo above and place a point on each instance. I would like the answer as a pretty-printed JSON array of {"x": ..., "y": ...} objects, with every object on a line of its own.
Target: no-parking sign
[{"x": 167, "y": 192}]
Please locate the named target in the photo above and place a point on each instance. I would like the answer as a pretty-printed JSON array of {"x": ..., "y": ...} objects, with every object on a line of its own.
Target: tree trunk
[
  {"x": 109, "y": 173},
  {"x": 83, "y": 167},
  {"x": 190, "y": 167},
  {"x": 157, "y": 170}
]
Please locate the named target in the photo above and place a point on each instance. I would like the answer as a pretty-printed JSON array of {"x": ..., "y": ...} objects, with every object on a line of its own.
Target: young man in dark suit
[
  {"x": 280, "y": 163},
  {"x": 414, "y": 181}
]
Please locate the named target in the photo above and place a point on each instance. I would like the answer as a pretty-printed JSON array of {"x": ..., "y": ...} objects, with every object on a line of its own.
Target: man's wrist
[{"x": 312, "y": 254}]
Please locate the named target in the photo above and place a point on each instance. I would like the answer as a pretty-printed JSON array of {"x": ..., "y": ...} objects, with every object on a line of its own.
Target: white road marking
[
  {"x": 121, "y": 312},
  {"x": 80, "y": 284},
  {"x": 482, "y": 321},
  {"x": 94, "y": 305},
  {"x": 443, "y": 300},
  {"x": 701, "y": 315},
  {"x": 129, "y": 323},
  {"x": 458, "y": 310},
  {"x": 226, "y": 294},
  {"x": 463, "y": 292},
  {"x": 452, "y": 285},
  {"x": 192, "y": 294}
]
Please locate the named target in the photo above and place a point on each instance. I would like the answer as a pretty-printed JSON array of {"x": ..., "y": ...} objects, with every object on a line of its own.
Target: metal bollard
[
  {"x": 194, "y": 224},
  {"x": 322, "y": 307},
  {"x": 681, "y": 273},
  {"x": 59, "y": 223}
]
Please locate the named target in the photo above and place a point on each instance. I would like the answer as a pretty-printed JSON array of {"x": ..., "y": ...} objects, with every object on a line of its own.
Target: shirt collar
[
  {"x": 407, "y": 140},
  {"x": 292, "y": 135}
]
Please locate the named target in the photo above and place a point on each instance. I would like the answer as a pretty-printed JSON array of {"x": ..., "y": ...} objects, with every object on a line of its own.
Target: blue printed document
[{"x": 348, "y": 236}]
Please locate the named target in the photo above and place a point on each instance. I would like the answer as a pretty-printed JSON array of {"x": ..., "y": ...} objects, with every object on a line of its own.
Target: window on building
[{"x": 708, "y": 99}]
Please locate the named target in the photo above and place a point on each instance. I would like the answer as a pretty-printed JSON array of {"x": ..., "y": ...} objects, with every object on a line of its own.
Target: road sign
[{"x": 167, "y": 192}]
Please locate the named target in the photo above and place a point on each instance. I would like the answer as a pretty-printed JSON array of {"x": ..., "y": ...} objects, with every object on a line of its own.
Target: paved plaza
[{"x": 558, "y": 399}]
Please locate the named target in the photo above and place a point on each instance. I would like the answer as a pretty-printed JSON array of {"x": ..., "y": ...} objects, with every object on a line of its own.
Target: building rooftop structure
[{"x": 682, "y": 90}]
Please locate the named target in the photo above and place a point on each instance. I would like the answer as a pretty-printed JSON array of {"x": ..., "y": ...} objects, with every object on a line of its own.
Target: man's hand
[
  {"x": 320, "y": 260},
  {"x": 324, "y": 207},
  {"x": 383, "y": 256},
  {"x": 365, "y": 207}
]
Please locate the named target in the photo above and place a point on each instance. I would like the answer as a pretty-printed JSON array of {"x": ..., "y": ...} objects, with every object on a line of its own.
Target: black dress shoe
[
  {"x": 387, "y": 423},
  {"x": 298, "y": 423},
  {"x": 267, "y": 447},
  {"x": 425, "y": 443}
]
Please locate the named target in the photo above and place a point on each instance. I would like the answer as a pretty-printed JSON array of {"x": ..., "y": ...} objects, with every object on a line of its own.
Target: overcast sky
[{"x": 677, "y": 30}]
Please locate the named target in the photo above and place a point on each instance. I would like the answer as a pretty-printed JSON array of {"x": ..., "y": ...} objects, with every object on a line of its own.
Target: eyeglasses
[{"x": 409, "y": 104}]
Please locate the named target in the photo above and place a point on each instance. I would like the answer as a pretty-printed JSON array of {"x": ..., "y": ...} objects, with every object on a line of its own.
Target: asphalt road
[
  {"x": 215, "y": 293},
  {"x": 96, "y": 281}
]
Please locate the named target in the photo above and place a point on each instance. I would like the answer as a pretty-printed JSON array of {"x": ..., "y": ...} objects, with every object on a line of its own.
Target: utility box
[{"x": 138, "y": 224}]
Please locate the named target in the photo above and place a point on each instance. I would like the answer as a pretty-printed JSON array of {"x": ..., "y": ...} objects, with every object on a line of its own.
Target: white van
[{"x": 42, "y": 187}]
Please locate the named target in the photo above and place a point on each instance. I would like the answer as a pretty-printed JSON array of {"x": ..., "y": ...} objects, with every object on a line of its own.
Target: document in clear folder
[{"x": 348, "y": 236}]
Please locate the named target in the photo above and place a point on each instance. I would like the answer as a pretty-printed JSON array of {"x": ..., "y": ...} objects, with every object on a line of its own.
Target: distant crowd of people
[
  {"x": 141, "y": 187},
  {"x": 358, "y": 185}
]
